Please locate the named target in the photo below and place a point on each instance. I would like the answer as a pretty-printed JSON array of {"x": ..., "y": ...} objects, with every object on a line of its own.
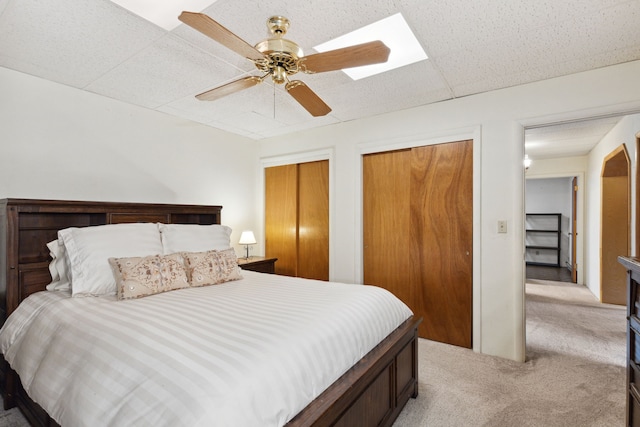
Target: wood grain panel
[
  {"x": 313, "y": 220},
  {"x": 386, "y": 222},
  {"x": 126, "y": 218},
  {"x": 375, "y": 404},
  {"x": 615, "y": 238},
  {"x": 281, "y": 223},
  {"x": 441, "y": 245}
]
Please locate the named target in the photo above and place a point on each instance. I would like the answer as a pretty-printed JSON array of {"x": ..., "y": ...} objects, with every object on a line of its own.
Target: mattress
[{"x": 252, "y": 352}]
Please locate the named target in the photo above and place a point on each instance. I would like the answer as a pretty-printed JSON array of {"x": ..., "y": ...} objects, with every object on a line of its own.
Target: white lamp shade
[{"x": 247, "y": 238}]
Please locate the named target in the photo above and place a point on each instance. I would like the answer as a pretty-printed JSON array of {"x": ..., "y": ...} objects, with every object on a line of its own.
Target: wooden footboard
[{"x": 374, "y": 390}]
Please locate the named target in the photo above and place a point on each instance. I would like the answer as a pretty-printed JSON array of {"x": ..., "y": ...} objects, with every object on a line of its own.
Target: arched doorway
[{"x": 615, "y": 228}]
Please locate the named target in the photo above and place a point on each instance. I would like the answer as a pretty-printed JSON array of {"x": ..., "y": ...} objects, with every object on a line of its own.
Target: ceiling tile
[
  {"x": 68, "y": 41},
  {"x": 166, "y": 70}
]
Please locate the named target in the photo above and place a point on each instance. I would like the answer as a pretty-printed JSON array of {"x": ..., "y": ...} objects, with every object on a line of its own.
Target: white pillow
[
  {"x": 194, "y": 237},
  {"x": 89, "y": 249},
  {"x": 58, "y": 267}
]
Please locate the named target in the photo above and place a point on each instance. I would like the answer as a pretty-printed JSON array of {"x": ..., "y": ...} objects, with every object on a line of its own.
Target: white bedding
[{"x": 252, "y": 352}]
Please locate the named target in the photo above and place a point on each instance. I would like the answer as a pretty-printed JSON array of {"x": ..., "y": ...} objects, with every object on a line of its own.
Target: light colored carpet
[
  {"x": 12, "y": 418},
  {"x": 574, "y": 374}
]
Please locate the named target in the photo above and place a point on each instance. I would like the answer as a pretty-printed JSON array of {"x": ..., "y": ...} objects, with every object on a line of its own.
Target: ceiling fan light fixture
[
  {"x": 279, "y": 58},
  {"x": 279, "y": 75},
  {"x": 280, "y": 45}
]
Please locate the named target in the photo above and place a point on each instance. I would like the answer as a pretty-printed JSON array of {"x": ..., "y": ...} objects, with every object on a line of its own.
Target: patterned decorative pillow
[
  {"x": 142, "y": 276},
  {"x": 212, "y": 267}
]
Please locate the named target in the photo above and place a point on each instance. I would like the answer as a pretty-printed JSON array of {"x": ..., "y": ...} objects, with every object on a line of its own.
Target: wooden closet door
[
  {"x": 387, "y": 222},
  {"x": 297, "y": 219},
  {"x": 417, "y": 234},
  {"x": 313, "y": 220},
  {"x": 442, "y": 243},
  {"x": 281, "y": 216}
]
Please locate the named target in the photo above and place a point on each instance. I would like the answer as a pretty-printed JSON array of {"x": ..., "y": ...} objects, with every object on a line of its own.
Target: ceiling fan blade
[
  {"x": 229, "y": 88},
  {"x": 211, "y": 28},
  {"x": 307, "y": 98},
  {"x": 347, "y": 57}
]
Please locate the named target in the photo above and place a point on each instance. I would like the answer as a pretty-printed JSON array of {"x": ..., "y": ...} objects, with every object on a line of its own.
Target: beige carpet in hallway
[{"x": 574, "y": 374}]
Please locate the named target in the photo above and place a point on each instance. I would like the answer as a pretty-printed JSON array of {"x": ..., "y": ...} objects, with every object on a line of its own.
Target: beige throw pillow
[
  {"x": 141, "y": 276},
  {"x": 212, "y": 267}
]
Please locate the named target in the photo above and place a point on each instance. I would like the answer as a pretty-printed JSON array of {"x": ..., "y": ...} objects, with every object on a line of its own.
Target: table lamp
[{"x": 247, "y": 238}]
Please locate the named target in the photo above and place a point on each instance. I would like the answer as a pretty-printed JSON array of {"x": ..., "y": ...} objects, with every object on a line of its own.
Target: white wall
[
  {"x": 624, "y": 133},
  {"x": 58, "y": 142},
  {"x": 495, "y": 120}
]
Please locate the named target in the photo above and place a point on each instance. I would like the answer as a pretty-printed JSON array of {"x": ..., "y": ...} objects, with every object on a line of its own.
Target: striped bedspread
[{"x": 252, "y": 352}]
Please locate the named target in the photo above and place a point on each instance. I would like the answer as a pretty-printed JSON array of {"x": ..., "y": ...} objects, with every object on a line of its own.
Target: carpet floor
[{"x": 574, "y": 374}]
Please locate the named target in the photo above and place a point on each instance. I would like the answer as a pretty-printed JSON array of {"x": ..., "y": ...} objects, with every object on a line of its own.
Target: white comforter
[{"x": 253, "y": 352}]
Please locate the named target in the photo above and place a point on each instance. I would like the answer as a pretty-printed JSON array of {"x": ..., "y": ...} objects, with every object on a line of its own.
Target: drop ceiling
[
  {"x": 473, "y": 47},
  {"x": 570, "y": 139}
]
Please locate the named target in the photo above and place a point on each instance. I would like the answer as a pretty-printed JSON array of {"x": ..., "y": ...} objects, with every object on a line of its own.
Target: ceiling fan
[{"x": 280, "y": 58}]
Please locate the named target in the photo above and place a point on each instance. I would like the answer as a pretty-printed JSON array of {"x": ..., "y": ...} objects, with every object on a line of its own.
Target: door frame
[
  {"x": 636, "y": 245},
  {"x": 574, "y": 228},
  {"x": 472, "y": 133}
]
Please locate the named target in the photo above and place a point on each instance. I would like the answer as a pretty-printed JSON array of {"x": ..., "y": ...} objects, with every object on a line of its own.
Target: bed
[{"x": 372, "y": 391}]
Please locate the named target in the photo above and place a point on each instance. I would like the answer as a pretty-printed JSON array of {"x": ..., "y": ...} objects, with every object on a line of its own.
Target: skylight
[
  {"x": 163, "y": 13},
  {"x": 394, "y": 32}
]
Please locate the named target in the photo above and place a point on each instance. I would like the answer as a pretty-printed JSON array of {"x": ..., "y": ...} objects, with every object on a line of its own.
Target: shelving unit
[{"x": 542, "y": 239}]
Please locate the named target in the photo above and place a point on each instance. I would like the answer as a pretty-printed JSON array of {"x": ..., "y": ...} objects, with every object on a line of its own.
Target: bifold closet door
[
  {"x": 313, "y": 220},
  {"x": 281, "y": 217},
  {"x": 387, "y": 222},
  {"x": 297, "y": 219},
  {"x": 418, "y": 218}
]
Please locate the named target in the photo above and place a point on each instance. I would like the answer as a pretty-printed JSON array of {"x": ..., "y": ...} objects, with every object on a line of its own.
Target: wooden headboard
[{"x": 26, "y": 226}]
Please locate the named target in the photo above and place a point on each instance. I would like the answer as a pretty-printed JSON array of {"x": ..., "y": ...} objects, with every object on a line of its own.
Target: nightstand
[{"x": 259, "y": 264}]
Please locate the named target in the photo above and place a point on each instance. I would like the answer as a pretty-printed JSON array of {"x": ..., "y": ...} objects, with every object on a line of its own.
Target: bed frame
[{"x": 371, "y": 393}]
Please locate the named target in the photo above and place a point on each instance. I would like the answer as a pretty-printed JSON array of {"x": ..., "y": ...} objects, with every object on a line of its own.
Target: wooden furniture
[
  {"x": 259, "y": 264},
  {"x": 297, "y": 218},
  {"x": 543, "y": 232},
  {"x": 371, "y": 393},
  {"x": 418, "y": 234},
  {"x": 632, "y": 265}
]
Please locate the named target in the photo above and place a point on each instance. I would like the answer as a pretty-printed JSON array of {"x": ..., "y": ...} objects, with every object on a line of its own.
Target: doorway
[
  {"x": 551, "y": 228},
  {"x": 615, "y": 231}
]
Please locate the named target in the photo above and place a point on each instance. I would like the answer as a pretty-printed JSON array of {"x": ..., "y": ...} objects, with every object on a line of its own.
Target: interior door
[
  {"x": 387, "y": 222},
  {"x": 574, "y": 229},
  {"x": 297, "y": 219},
  {"x": 418, "y": 219},
  {"x": 615, "y": 227},
  {"x": 281, "y": 217},
  {"x": 313, "y": 220}
]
